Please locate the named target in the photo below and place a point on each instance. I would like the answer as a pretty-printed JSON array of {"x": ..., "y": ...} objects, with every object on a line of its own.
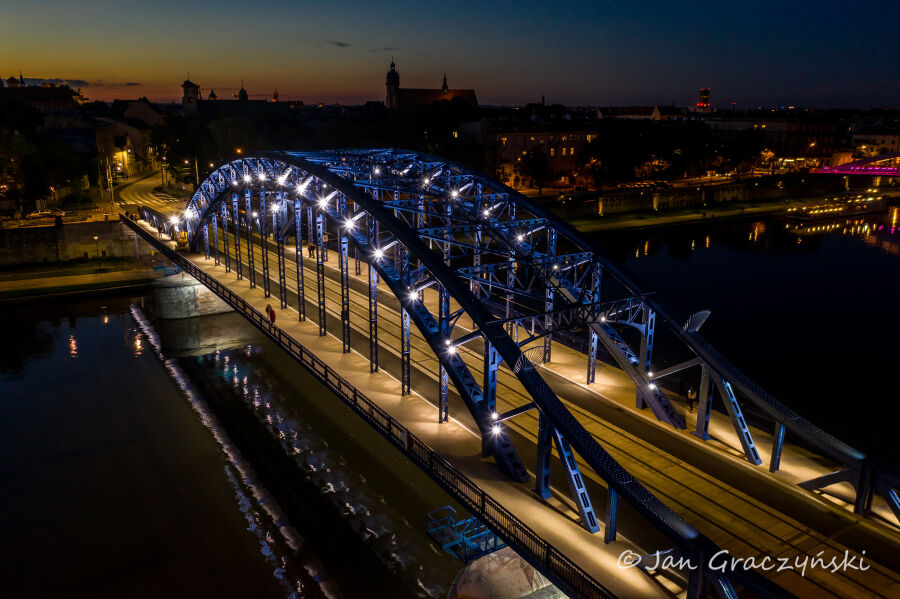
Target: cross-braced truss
[{"x": 523, "y": 278}]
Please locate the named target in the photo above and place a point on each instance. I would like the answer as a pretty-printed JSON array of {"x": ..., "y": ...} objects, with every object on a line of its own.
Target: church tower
[
  {"x": 444, "y": 88},
  {"x": 190, "y": 96},
  {"x": 392, "y": 82}
]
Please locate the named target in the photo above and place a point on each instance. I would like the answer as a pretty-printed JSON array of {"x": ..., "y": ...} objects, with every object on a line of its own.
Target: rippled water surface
[{"x": 810, "y": 311}]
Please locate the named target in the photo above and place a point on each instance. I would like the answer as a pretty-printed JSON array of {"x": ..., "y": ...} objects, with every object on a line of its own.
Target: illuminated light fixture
[
  {"x": 254, "y": 214},
  {"x": 520, "y": 238},
  {"x": 234, "y": 182},
  {"x": 174, "y": 220},
  {"x": 650, "y": 374},
  {"x": 302, "y": 187},
  {"x": 427, "y": 181},
  {"x": 556, "y": 267},
  {"x": 349, "y": 224},
  {"x": 451, "y": 349},
  {"x": 274, "y": 208},
  {"x": 495, "y": 429},
  {"x": 413, "y": 296},
  {"x": 602, "y": 319},
  {"x": 378, "y": 253},
  {"x": 323, "y": 202},
  {"x": 247, "y": 179},
  {"x": 486, "y": 213},
  {"x": 377, "y": 171},
  {"x": 652, "y": 386},
  {"x": 454, "y": 194},
  {"x": 494, "y": 415},
  {"x": 262, "y": 176}
]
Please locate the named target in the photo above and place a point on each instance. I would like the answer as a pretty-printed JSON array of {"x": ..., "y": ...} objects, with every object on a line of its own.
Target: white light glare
[
  {"x": 274, "y": 208},
  {"x": 652, "y": 386},
  {"x": 486, "y": 213},
  {"x": 454, "y": 194},
  {"x": 247, "y": 178},
  {"x": 377, "y": 171},
  {"x": 495, "y": 429},
  {"x": 602, "y": 319},
  {"x": 413, "y": 296},
  {"x": 174, "y": 220},
  {"x": 254, "y": 214},
  {"x": 520, "y": 238},
  {"x": 494, "y": 415},
  {"x": 349, "y": 224},
  {"x": 379, "y": 253},
  {"x": 262, "y": 176}
]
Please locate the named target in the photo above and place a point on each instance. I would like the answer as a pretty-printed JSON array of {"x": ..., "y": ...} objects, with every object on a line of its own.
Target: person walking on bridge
[{"x": 270, "y": 312}]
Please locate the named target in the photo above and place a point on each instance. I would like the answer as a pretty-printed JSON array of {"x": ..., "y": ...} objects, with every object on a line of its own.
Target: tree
[{"x": 536, "y": 167}]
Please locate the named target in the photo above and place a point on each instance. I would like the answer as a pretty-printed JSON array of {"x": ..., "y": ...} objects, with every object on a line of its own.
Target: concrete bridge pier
[{"x": 182, "y": 296}]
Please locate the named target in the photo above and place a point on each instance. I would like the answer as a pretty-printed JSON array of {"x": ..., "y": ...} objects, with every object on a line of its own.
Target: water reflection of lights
[
  {"x": 73, "y": 347},
  {"x": 138, "y": 344}
]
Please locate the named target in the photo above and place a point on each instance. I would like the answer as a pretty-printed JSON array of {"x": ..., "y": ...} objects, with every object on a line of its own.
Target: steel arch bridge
[
  {"x": 865, "y": 166},
  {"x": 524, "y": 278}
]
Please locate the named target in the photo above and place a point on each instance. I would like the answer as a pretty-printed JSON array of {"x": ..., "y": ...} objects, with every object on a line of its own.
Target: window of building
[
  {"x": 571, "y": 151},
  {"x": 564, "y": 151},
  {"x": 552, "y": 152}
]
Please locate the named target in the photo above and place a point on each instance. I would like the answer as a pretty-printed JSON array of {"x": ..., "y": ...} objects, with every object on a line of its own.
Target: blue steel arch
[{"x": 486, "y": 217}]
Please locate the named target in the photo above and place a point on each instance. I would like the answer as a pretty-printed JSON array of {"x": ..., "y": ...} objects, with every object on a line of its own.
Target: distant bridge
[
  {"x": 865, "y": 166},
  {"x": 450, "y": 243}
]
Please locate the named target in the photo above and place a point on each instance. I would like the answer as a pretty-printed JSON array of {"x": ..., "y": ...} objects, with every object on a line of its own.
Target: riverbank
[
  {"x": 733, "y": 210},
  {"x": 74, "y": 277}
]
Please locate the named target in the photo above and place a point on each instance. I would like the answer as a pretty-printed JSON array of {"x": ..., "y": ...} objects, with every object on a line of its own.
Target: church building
[{"x": 398, "y": 97}]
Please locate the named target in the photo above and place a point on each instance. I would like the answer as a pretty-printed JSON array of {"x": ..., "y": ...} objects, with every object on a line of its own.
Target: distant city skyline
[{"x": 818, "y": 54}]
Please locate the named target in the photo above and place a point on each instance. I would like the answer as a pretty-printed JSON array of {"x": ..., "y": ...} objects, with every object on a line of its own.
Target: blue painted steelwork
[
  {"x": 237, "y": 236},
  {"x": 264, "y": 237},
  {"x": 215, "y": 227},
  {"x": 416, "y": 187},
  {"x": 248, "y": 221},
  {"x": 465, "y": 539},
  {"x": 298, "y": 260},
  {"x": 225, "y": 237}
]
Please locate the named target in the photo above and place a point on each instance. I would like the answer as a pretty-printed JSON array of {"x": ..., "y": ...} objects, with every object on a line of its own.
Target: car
[
  {"x": 57, "y": 212},
  {"x": 39, "y": 214}
]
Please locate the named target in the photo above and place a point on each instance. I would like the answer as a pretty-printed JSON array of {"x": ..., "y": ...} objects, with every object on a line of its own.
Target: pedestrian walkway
[{"x": 735, "y": 520}]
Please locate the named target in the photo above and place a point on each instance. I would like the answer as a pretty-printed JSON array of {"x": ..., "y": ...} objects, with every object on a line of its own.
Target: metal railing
[{"x": 567, "y": 575}]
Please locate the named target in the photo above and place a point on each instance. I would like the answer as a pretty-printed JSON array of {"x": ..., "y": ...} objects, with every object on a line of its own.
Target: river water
[
  {"x": 134, "y": 463},
  {"x": 811, "y": 312}
]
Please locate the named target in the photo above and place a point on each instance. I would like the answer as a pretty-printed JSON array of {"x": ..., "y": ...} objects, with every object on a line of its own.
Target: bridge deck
[{"x": 733, "y": 519}]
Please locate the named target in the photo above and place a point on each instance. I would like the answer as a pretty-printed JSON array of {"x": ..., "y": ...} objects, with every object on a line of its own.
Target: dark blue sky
[{"x": 805, "y": 53}]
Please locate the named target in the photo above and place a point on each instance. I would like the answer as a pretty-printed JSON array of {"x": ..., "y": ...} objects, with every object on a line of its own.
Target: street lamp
[{"x": 97, "y": 244}]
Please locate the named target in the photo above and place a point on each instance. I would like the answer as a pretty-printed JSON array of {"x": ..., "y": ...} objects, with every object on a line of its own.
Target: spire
[
  {"x": 21, "y": 79},
  {"x": 242, "y": 94},
  {"x": 275, "y": 95},
  {"x": 444, "y": 87}
]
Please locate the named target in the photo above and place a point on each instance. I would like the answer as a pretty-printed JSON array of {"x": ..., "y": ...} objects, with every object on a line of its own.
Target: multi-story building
[
  {"x": 806, "y": 138},
  {"x": 875, "y": 142},
  {"x": 562, "y": 148}
]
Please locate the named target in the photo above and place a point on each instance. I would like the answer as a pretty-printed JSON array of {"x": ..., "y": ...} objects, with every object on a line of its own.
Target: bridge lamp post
[{"x": 97, "y": 244}]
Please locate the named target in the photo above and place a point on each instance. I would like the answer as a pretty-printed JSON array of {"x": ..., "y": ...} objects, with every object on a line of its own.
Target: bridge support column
[
  {"x": 576, "y": 484},
  {"x": 206, "y": 240},
  {"x": 777, "y": 443},
  {"x": 646, "y": 352},
  {"x": 593, "y": 340},
  {"x": 864, "y": 490},
  {"x": 225, "y": 237},
  {"x": 215, "y": 229},
  {"x": 344, "y": 260},
  {"x": 279, "y": 233},
  {"x": 544, "y": 453},
  {"x": 372, "y": 228},
  {"x": 704, "y": 409},
  {"x": 737, "y": 421},
  {"x": 403, "y": 256},
  {"x": 320, "y": 270},
  {"x": 264, "y": 242},
  {"x": 612, "y": 515},
  {"x": 443, "y": 376},
  {"x": 489, "y": 396},
  {"x": 251, "y": 269},
  {"x": 237, "y": 237},
  {"x": 298, "y": 259},
  {"x": 548, "y": 304}
]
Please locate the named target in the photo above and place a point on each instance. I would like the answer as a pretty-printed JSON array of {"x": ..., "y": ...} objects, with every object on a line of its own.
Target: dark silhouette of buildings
[{"x": 400, "y": 98}]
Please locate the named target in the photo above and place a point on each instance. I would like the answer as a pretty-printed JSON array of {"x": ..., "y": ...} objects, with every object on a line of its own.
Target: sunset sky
[{"x": 598, "y": 53}]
